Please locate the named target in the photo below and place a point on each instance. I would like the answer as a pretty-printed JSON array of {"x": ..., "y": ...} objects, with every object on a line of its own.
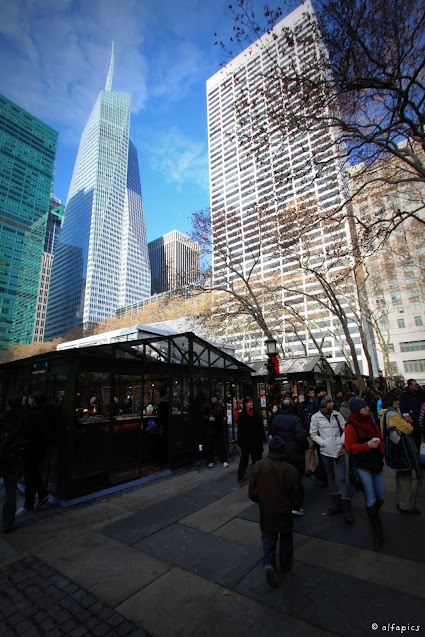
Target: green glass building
[{"x": 27, "y": 161}]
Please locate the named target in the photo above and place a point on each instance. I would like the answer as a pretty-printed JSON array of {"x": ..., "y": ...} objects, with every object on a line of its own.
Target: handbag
[
  {"x": 311, "y": 466},
  {"x": 353, "y": 474}
]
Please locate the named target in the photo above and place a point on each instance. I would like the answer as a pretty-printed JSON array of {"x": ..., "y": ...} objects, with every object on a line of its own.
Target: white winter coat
[{"x": 327, "y": 433}]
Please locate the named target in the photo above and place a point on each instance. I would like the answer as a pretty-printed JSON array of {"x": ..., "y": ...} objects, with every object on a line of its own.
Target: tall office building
[
  {"x": 174, "y": 260},
  {"x": 101, "y": 262},
  {"x": 27, "y": 161},
  {"x": 260, "y": 167},
  {"x": 54, "y": 223}
]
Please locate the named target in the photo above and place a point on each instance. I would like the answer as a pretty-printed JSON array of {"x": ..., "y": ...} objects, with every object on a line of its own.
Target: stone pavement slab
[
  {"x": 133, "y": 528},
  {"x": 217, "y": 513},
  {"x": 336, "y": 602},
  {"x": 393, "y": 572},
  {"x": 358, "y": 534},
  {"x": 110, "y": 570},
  {"x": 372, "y": 566},
  {"x": 8, "y": 553},
  {"x": 209, "y": 556},
  {"x": 199, "y": 608},
  {"x": 242, "y": 532},
  {"x": 66, "y": 525}
]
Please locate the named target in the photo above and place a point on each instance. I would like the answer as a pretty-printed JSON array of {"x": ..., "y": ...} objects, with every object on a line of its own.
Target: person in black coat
[
  {"x": 411, "y": 399},
  {"x": 213, "y": 417},
  {"x": 11, "y": 448},
  {"x": 251, "y": 436},
  {"x": 36, "y": 424},
  {"x": 288, "y": 426}
]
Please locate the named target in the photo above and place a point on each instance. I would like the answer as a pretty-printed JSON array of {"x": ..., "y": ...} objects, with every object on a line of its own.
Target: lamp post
[{"x": 271, "y": 349}]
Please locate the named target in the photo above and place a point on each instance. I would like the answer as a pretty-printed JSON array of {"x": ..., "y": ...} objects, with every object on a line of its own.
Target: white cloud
[
  {"x": 54, "y": 56},
  {"x": 180, "y": 159}
]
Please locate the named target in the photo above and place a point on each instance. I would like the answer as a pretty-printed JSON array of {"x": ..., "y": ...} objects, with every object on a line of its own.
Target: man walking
[
  {"x": 275, "y": 486},
  {"x": 213, "y": 416}
]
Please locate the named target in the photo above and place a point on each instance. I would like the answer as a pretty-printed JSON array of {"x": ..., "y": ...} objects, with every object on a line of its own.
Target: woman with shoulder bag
[
  {"x": 364, "y": 440},
  {"x": 396, "y": 431},
  {"x": 327, "y": 430}
]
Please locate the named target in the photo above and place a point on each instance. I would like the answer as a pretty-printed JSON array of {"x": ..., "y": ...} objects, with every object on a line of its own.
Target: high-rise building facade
[
  {"x": 258, "y": 170},
  {"x": 27, "y": 162},
  {"x": 174, "y": 260},
  {"x": 54, "y": 223},
  {"x": 101, "y": 262},
  {"x": 394, "y": 273}
]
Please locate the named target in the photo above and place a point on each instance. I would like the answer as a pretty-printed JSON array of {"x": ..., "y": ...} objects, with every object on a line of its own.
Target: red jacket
[{"x": 366, "y": 428}]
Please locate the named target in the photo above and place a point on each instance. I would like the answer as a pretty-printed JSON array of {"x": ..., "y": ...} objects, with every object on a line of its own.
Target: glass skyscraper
[
  {"x": 27, "y": 160},
  {"x": 101, "y": 262}
]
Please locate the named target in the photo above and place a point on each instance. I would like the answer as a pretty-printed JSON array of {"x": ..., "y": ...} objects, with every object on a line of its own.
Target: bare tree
[{"x": 356, "y": 69}]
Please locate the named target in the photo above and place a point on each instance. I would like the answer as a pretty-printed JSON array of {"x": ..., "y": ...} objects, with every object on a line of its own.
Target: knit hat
[
  {"x": 355, "y": 404},
  {"x": 38, "y": 397},
  {"x": 276, "y": 444},
  {"x": 215, "y": 394},
  {"x": 325, "y": 400}
]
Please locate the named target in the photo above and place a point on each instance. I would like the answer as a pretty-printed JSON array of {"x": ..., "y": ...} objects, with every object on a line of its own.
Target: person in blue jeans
[
  {"x": 364, "y": 440},
  {"x": 275, "y": 486}
]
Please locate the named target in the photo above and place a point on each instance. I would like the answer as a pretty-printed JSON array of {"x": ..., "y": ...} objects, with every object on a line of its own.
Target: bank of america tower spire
[{"x": 102, "y": 261}]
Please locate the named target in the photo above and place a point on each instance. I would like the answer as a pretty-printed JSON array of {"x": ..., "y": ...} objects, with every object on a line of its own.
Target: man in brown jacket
[{"x": 275, "y": 486}]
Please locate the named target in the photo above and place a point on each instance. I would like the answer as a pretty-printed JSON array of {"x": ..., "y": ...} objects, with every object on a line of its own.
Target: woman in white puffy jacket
[{"x": 327, "y": 430}]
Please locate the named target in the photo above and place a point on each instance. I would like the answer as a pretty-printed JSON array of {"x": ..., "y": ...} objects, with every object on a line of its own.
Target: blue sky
[{"x": 54, "y": 58}]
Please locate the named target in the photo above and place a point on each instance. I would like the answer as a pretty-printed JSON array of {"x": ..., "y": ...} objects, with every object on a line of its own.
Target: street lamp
[
  {"x": 274, "y": 390},
  {"x": 271, "y": 346}
]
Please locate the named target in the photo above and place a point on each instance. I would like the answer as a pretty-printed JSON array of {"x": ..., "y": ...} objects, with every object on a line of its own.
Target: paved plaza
[{"x": 181, "y": 557}]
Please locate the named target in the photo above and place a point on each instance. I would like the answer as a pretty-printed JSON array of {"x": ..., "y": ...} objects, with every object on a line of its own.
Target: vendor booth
[{"x": 124, "y": 409}]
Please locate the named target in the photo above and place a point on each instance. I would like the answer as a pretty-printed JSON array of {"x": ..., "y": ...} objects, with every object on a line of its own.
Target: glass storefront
[{"x": 125, "y": 412}]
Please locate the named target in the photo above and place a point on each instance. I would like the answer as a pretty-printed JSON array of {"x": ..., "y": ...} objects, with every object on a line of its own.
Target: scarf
[
  {"x": 366, "y": 427},
  {"x": 250, "y": 412}
]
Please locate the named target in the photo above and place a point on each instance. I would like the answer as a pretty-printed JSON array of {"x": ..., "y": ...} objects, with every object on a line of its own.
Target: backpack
[{"x": 397, "y": 454}]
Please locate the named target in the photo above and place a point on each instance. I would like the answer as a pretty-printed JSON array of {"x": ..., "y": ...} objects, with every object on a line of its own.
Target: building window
[
  {"x": 418, "y": 321},
  {"x": 413, "y": 346},
  {"x": 401, "y": 323},
  {"x": 391, "y": 349},
  {"x": 411, "y": 367}
]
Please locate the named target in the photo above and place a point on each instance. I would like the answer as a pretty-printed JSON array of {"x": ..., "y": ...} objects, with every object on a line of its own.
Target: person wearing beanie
[
  {"x": 251, "y": 436},
  {"x": 319, "y": 474},
  {"x": 364, "y": 440},
  {"x": 344, "y": 409},
  {"x": 213, "y": 418},
  {"x": 274, "y": 485},
  {"x": 327, "y": 430}
]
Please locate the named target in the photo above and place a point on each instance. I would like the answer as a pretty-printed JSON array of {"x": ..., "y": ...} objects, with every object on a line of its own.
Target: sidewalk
[{"x": 181, "y": 556}]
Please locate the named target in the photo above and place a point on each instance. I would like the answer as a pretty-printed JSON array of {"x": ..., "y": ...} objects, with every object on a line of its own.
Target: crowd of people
[
  {"x": 351, "y": 438},
  {"x": 341, "y": 442}
]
